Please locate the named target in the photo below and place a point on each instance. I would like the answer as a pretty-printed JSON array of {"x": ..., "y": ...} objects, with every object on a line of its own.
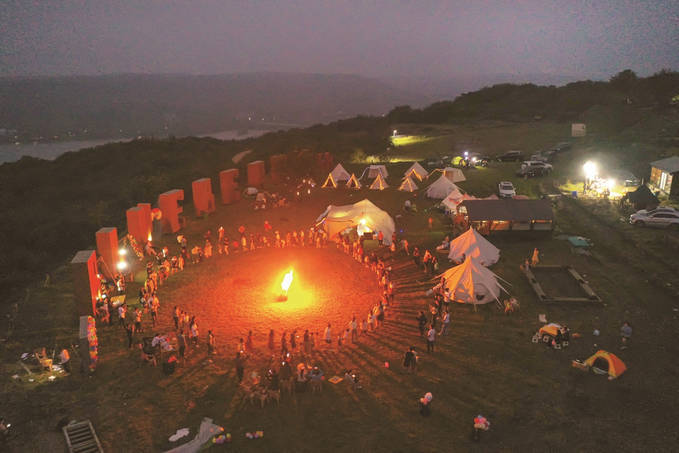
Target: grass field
[{"x": 487, "y": 364}]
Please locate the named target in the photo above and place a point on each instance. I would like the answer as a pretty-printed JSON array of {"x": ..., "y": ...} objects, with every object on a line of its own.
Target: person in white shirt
[
  {"x": 328, "y": 334},
  {"x": 446, "y": 323},
  {"x": 431, "y": 338}
]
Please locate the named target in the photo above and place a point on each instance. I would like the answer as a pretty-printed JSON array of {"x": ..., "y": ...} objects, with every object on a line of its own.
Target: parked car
[
  {"x": 434, "y": 162},
  {"x": 506, "y": 189},
  {"x": 669, "y": 209},
  {"x": 563, "y": 146},
  {"x": 510, "y": 156},
  {"x": 540, "y": 157},
  {"x": 532, "y": 168},
  {"x": 659, "y": 218}
]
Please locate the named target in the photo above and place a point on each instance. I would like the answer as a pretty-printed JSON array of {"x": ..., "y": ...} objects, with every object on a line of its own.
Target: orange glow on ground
[{"x": 234, "y": 294}]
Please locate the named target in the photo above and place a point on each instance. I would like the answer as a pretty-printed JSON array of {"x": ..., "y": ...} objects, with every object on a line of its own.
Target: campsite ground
[{"x": 487, "y": 364}]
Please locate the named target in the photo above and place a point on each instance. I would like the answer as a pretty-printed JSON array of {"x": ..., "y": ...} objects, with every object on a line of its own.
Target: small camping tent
[
  {"x": 340, "y": 174},
  {"x": 330, "y": 182},
  {"x": 379, "y": 183},
  {"x": 441, "y": 188},
  {"x": 336, "y": 219},
  {"x": 472, "y": 283},
  {"x": 607, "y": 362},
  {"x": 353, "y": 182},
  {"x": 642, "y": 198},
  {"x": 373, "y": 170},
  {"x": 407, "y": 185},
  {"x": 471, "y": 243},
  {"x": 416, "y": 171}
]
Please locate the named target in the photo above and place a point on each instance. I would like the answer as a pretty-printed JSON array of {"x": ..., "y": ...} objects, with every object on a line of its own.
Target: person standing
[
  {"x": 353, "y": 325},
  {"x": 122, "y": 309},
  {"x": 271, "y": 341},
  {"x": 380, "y": 238},
  {"x": 446, "y": 323},
  {"x": 129, "y": 329},
  {"x": 181, "y": 344},
  {"x": 328, "y": 334},
  {"x": 431, "y": 338},
  {"x": 175, "y": 317},
  {"x": 307, "y": 342},
  {"x": 625, "y": 335},
  {"x": 410, "y": 360},
  {"x": 240, "y": 366},
  {"x": 421, "y": 322},
  {"x": 137, "y": 320},
  {"x": 248, "y": 342},
  {"x": 210, "y": 343}
]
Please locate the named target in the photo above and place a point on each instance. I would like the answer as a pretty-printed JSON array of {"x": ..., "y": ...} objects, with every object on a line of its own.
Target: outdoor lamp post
[{"x": 590, "y": 169}]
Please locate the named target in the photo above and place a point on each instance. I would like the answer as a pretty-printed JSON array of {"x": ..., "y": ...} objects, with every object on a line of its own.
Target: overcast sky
[{"x": 583, "y": 38}]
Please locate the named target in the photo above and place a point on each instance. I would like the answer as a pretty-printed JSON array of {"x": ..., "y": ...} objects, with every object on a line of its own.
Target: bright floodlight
[
  {"x": 590, "y": 169},
  {"x": 395, "y": 132},
  {"x": 122, "y": 265},
  {"x": 122, "y": 252},
  {"x": 287, "y": 281},
  {"x": 610, "y": 184},
  {"x": 466, "y": 153}
]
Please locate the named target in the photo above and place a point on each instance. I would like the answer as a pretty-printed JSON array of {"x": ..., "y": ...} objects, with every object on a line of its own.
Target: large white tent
[
  {"x": 471, "y": 243},
  {"x": 454, "y": 174},
  {"x": 441, "y": 188},
  {"x": 416, "y": 171},
  {"x": 454, "y": 198},
  {"x": 365, "y": 214},
  {"x": 340, "y": 174},
  {"x": 472, "y": 283},
  {"x": 408, "y": 185}
]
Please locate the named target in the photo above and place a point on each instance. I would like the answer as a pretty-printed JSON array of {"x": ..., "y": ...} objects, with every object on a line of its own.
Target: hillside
[{"x": 135, "y": 104}]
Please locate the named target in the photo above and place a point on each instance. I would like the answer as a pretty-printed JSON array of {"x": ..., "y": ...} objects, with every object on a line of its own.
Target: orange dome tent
[{"x": 608, "y": 362}]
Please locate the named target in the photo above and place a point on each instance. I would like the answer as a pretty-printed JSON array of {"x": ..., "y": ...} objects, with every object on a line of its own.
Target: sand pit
[{"x": 234, "y": 294}]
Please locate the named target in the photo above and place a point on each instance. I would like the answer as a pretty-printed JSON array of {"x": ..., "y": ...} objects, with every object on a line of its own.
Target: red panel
[
  {"x": 203, "y": 198},
  {"x": 133, "y": 224},
  {"x": 168, "y": 204},
  {"x": 256, "y": 172},
  {"x": 85, "y": 282},
  {"x": 145, "y": 222},
  {"x": 107, "y": 247},
  {"x": 277, "y": 166},
  {"x": 228, "y": 184}
]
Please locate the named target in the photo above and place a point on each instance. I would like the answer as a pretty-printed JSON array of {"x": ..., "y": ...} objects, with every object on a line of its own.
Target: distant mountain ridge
[{"x": 176, "y": 104}]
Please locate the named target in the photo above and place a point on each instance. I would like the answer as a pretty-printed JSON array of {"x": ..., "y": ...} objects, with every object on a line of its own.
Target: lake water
[{"x": 50, "y": 151}]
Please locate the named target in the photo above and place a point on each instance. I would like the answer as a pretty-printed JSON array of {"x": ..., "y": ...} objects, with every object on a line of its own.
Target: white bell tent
[
  {"x": 379, "y": 183},
  {"x": 372, "y": 171},
  {"x": 472, "y": 283},
  {"x": 353, "y": 182},
  {"x": 471, "y": 243},
  {"x": 340, "y": 174},
  {"x": 407, "y": 185},
  {"x": 364, "y": 215},
  {"x": 416, "y": 171},
  {"x": 441, "y": 188}
]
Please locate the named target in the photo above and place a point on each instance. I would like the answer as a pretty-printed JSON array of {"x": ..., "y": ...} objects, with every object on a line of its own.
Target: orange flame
[
  {"x": 287, "y": 280},
  {"x": 150, "y": 238}
]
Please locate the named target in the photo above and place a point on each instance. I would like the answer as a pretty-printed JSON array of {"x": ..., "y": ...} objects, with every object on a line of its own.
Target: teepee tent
[
  {"x": 471, "y": 243},
  {"x": 471, "y": 283},
  {"x": 364, "y": 215},
  {"x": 407, "y": 185},
  {"x": 441, "y": 188},
  {"x": 340, "y": 174},
  {"x": 353, "y": 182},
  {"x": 330, "y": 182},
  {"x": 416, "y": 171},
  {"x": 379, "y": 183},
  {"x": 372, "y": 171}
]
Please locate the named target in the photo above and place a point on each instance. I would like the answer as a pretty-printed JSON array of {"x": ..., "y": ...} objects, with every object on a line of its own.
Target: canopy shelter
[
  {"x": 379, "y": 183},
  {"x": 330, "y": 182},
  {"x": 509, "y": 214},
  {"x": 353, "y": 182},
  {"x": 364, "y": 216},
  {"x": 454, "y": 174},
  {"x": 340, "y": 174},
  {"x": 416, "y": 171},
  {"x": 408, "y": 185},
  {"x": 373, "y": 170},
  {"x": 607, "y": 362},
  {"x": 472, "y": 283},
  {"x": 642, "y": 198},
  {"x": 472, "y": 244},
  {"x": 441, "y": 188}
]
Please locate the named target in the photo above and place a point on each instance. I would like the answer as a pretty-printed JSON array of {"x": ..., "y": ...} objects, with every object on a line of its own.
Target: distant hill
[{"x": 128, "y": 105}]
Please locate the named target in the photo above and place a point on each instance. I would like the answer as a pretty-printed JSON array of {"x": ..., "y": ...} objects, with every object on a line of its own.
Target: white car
[
  {"x": 659, "y": 218},
  {"x": 506, "y": 189}
]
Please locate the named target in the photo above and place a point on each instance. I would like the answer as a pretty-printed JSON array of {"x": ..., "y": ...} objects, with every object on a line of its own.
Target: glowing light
[
  {"x": 122, "y": 252},
  {"x": 287, "y": 281},
  {"x": 150, "y": 238},
  {"x": 122, "y": 265},
  {"x": 610, "y": 184},
  {"x": 591, "y": 170},
  {"x": 362, "y": 221}
]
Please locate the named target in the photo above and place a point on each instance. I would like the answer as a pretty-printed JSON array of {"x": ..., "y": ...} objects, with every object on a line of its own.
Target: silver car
[{"x": 659, "y": 218}]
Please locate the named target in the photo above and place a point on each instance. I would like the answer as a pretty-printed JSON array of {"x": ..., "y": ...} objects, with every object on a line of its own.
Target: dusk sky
[{"x": 583, "y": 38}]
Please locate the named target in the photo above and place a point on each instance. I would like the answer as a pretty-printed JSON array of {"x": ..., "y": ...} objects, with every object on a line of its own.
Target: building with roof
[
  {"x": 664, "y": 176},
  {"x": 508, "y": 215}
]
